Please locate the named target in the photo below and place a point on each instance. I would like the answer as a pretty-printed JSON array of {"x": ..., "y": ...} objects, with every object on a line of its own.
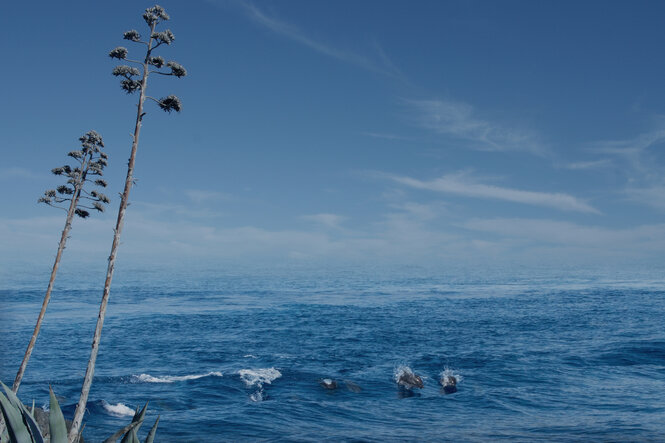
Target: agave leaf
[
  {"x": 32, "y": 426},
  {"x": 116, "y": 436},
  {"x": 13, "y": 399},
  {"x": 151, "y": 435},
  {"x": 56, "y": 421},
  {"x": 17, "y": 430},
  {"x": 138, "y": 418},
  {"x": 28, "y": 422}
]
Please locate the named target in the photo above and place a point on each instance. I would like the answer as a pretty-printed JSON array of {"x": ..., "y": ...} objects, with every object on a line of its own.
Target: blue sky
[{"x": 430, "y": 132}]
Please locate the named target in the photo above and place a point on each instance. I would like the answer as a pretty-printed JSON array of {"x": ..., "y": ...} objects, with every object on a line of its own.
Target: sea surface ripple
[{"x": 225, "y": 356}]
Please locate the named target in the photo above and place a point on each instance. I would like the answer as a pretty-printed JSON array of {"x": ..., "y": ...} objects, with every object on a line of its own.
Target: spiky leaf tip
[
  {"x": 82, "y": 213},
  {"x": 57, "y": 171},
  {"x": 177, "y": 69},
  {"x": 100, "y": 182},
  {"x": 119, "y": 53},
  {"x": 75, "y": 154},
  {"x": 170, "y": 103},
  {"x": 132, "y": 35},
  {"x": 98, "y": 206}
]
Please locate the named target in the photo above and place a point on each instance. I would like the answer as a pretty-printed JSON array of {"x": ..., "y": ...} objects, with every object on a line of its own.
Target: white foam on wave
[
  {"x": 258, "y": 377},
  {"x": 118, "y": 409},
  {"x": 249, "y": 356},
  {"x": 147, "y": 378},
  {"x": 257, "y": 396}
]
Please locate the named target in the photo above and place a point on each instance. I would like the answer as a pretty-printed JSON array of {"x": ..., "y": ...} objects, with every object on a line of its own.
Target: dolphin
[
  {"x": 409, "y": 380},
  {"x": 449, "y": 383},
  {"x": 328, "y": 383},
  {"x": 351, "y": 386}
]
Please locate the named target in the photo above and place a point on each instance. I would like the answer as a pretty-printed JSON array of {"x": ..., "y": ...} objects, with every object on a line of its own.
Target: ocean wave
[
  {"x": 258, "y": 377},
  {"x": 118, "y": 409},
  {"x": 147, "y": 378}
]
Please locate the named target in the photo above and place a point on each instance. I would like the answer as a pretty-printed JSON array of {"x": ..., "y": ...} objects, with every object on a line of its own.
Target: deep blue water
[{"x": 237, "y": 356}]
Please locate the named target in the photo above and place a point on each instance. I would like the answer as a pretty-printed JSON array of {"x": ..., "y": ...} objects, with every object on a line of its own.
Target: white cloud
[
  {"x": 653, "y": 196},
  {"x": 199, "y": 196},
  {"x": 20, "y": 173},
  {"x": 383, "y": 65},
  {"x": 593, "y": 164},
  {"x": 327, "y": 220},
  {"x": 461, "y": 184},
  {"x": 629, "y": 241},
  {"x": 457, "y": 119}
]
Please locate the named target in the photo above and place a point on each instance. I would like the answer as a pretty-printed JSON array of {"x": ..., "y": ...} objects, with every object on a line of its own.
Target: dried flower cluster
[
  {"x": 91, "y": 162},
  {"x": 133, "y": 79}
]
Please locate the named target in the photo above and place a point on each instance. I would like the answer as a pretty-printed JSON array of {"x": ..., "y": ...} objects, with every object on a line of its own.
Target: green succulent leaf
[
  {"x": 15, "y": 427},
  {"x": 116, "y": 436},
  {"x": 151, "y": 435},
  {"x": 11, "y": 411},
  {"x": 139, "y": 415},
  {"x": 56, "y": 421}
]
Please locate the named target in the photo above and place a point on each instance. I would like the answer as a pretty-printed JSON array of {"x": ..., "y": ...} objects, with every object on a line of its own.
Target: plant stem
[
  {"x": 56, "y": 264},
  {"x": 90, "y": 370}
]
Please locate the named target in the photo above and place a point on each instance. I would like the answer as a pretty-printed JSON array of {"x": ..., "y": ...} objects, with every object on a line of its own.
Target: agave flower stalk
[
  {"x": 90, "y": 163},
  {"x": 130, "y": 84}
]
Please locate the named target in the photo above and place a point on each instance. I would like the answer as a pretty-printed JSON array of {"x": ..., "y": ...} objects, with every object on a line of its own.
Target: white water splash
[
  {"x": 257, "y": 378},
  {"x": 147, "y": 378},
  {"x": 400, "y": 371},
  {"x": 447, "y": 372},
  {"x": 118, "y": 409}
]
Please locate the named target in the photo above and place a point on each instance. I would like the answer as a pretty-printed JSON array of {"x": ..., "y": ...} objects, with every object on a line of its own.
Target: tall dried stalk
[{"x": 152, "y": 16}]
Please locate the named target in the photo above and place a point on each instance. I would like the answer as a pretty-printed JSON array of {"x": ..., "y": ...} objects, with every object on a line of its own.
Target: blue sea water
[{"x": 237, "y": 355}]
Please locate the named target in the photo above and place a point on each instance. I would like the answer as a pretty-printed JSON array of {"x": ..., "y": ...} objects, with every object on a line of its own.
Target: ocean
[{"x": 238, "y": 355}]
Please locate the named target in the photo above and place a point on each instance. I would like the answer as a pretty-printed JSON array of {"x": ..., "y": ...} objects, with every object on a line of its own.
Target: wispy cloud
[
  {"x": 199, "y": 196},
  {"x": 653, "y": 196},
  {"x": 380, "y": 64},
  {"x": 327, "y": 220},
  {"x": 593, "y": 164},
  {"x": 462, "y": 184},
  {"x": 634, "y": 152},
  {"x": 19, "y": 173},
  {"x": 641, "y": 164},
  {"x": 562, "y": 233},
  {"x": 384, "y": 136},
  {"x": 458, "y": 120}
]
